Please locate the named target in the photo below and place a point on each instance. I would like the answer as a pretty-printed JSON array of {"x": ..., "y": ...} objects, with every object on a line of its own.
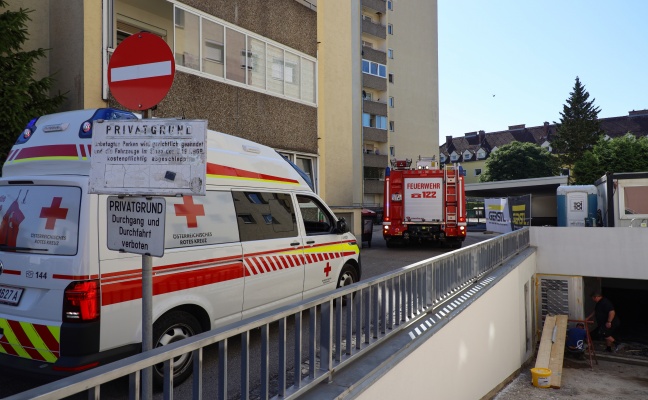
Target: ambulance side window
[
  {"x": 264, "y": 215},
  {"x": 317, "y": 220}
]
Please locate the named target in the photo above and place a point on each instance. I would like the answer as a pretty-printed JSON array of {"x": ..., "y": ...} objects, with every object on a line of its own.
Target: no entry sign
[{"x": 140, "y": 71}]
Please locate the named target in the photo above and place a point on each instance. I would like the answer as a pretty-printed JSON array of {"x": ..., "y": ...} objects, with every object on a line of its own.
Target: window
[
  {"x": 187, "y": 44},
  {"x": 367, "y": 44},
  {"x": 390, "y": 53},
  {"x": 374, "y": 121},
  {"x": 391, "y": 101},
  {"x": 366, "y": 119},
  {"x": 391, "y": 126},
  {"x": 263, "y": 215},
  {"x": 235, "y": 64},
  {"x": 205, "y": 44},
  {"x": 443, "y": 158},
  {"x": 467, "y": 155},
  {"x": 367, "y": 18},
  {"x": 392, "y": 151},
  {"x": 481, "y": 154},
  {"x": 381, "y": 122},
  {"x": 454, "y": 157},
  {"x": 634, "y": 200},
  {"x": 188, "y": 220},
  {"x": 367, "y": 95},
  {"x": 213, "y": 48},
  {"x": 391, "y": 78},
  {"x": 390, "y": 29},
  {"x": 477, "y": 171},
  {"x": 317, "y": 219},
  {"x": 390, "y": 5},
  {"x": 373, "y": 68}
]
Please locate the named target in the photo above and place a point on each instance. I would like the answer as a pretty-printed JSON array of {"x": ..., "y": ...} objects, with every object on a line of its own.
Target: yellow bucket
[{"x": 540, "y": 377}]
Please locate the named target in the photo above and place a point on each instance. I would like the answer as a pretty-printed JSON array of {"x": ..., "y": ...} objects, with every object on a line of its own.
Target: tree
[
  {"x": 518, "y": 160},
  {"x": 578, "y": 129},
  {"x": 21, "y": 96},
  {"x": 622, "y": 154}
]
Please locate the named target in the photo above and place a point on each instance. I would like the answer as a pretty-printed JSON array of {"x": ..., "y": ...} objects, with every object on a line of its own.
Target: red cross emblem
[
  {"x": 53, "y": 212},
  {"x": 327, "y": 269},
  {"x": 190, "y": 210}
]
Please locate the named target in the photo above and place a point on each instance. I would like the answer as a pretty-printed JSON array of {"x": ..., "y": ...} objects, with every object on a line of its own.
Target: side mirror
[{"x": 341, "y": 226}]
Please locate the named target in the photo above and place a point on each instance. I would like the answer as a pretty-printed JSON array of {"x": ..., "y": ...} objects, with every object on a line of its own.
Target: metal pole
[{"x": 147, "y": 318}]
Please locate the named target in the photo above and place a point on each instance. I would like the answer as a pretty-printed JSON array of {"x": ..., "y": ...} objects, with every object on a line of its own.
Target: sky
[{"x": 510, "y": 62}]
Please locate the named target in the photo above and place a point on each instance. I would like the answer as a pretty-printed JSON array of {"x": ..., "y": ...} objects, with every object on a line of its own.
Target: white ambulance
[{"x": 260, "y": 238}]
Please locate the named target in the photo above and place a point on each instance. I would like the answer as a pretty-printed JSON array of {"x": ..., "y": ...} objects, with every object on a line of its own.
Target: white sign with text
[
  {"x": 152, "y": 157},
  {"x": 136, "y": 224}
]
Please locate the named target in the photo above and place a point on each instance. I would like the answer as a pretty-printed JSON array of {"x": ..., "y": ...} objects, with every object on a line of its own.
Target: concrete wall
[
  {"x": 479, "y": 349},
  {"x": 416, "y": 79},
  {"x": 600, "y": 252},
  {"x": 340, "y": 102}
]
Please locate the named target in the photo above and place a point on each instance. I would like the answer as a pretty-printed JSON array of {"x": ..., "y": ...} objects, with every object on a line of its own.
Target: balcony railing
[
  {"x": 374, "y": 186},
  {"x": 375, "y": 160},
  {"x": 374, "y": 29},
  {"x": 379, "y": 6},
  {"x": 374, "y": 82},
  {"x": 371, "y": 54},
  {"x": 374, "y": 134}
]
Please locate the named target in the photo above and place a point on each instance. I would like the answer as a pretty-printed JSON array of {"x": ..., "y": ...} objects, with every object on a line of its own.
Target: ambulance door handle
[
  {"x": 294, "y": 244},
  {"x": 310, "y": 242}
]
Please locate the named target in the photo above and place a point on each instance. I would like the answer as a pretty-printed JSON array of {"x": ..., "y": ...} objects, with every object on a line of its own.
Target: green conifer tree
[
  {"x": 21, "y": 96},
  {"x": 578, "y": 129}
]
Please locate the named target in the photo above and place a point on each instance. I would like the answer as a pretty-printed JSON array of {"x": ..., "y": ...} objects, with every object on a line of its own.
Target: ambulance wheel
[
  {"x": 348, "y": 276},
  {"x": 171, "y": 327}
]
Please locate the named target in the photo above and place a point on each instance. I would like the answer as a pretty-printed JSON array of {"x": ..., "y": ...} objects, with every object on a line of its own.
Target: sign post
[{"x": 144, "y": 161}]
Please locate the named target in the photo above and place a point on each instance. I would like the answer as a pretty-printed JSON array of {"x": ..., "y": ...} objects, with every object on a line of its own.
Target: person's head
[
  {"x": 596, "y": 295},
  {"x": 580, "y": 325}
]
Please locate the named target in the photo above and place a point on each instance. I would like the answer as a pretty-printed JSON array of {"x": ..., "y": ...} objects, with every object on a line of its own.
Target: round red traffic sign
[{"x": 140, "y": 71}]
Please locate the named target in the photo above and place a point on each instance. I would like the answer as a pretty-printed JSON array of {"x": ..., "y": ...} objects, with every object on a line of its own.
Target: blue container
[{"x": 576, "y": 205}]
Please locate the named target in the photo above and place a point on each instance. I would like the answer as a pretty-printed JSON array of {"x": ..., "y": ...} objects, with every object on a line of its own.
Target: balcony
[
  {"x": 374, "y": 134},
  {"x": 374, "y": 29},
  {"x": 379, "y": 6},
  {"x": 373, "y": 186},
  {"x": 375, "y": 107},
  {"x": 374, "y": 82},
  {"x": 374, "y": 55},
  {"x": 375, "y": 160}
]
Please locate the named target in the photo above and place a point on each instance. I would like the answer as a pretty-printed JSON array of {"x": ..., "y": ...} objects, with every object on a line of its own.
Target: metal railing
[{"x": 327, "y": 333}]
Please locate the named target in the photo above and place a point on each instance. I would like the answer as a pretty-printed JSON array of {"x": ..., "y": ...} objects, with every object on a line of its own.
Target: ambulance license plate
[{"x": 10, "y": 295}]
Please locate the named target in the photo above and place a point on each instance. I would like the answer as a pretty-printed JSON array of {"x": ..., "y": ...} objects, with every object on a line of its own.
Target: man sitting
[{"x": 576, "y": 336}]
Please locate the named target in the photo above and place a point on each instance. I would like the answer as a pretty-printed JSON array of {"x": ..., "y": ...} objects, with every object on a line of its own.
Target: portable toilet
[{"x": 576, "y": 205}]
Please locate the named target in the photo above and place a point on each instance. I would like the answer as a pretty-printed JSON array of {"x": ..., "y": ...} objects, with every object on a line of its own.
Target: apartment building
[
  {"x": 247, "y": 67},
  {"x": 339, "y": 86},
  {"x": 474, "y": 148},
  {"x": 378, "y": 93}
]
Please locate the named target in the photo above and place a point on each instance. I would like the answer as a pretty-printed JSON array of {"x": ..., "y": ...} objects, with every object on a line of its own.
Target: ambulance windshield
[{"x": 39, "y": 219}]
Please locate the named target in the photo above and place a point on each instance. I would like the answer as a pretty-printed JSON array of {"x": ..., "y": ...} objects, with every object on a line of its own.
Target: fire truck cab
[{"x": 424, "y": 203}]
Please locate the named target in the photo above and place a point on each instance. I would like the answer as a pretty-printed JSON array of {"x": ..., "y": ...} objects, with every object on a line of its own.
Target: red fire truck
[{"x": 424, "y": 203}]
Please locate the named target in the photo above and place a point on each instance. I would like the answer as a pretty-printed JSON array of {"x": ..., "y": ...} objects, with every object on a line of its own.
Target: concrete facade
[{"x": 82, "y": 34}]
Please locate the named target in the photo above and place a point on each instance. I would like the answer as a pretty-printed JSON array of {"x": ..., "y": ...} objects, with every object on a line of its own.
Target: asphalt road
[{"x": 376, "y": 260}]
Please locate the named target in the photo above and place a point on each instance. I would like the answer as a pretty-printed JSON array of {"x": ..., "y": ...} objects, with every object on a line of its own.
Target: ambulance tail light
[{"x": 81, "y": 301}]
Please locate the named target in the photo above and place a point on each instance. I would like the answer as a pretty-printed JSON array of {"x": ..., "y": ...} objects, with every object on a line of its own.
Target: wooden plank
[
  {"x": 558, "y": 352},
  {"x": 544, "y": 351}
]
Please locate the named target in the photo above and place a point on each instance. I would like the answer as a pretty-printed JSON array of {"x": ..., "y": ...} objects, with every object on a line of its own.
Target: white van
[{"x": 260, "y": 238}]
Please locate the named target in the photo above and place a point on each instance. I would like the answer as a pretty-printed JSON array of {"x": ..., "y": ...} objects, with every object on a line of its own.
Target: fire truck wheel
[
  {"x": 348, "y": 276},
  {"x": 171, "y": 327}
]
